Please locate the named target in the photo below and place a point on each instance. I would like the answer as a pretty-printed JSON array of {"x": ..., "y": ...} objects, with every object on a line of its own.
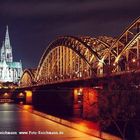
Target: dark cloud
[{"x": 35, "y": 23}]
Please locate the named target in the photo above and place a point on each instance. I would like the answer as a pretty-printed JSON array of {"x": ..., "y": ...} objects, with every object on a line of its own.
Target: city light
[
  {"x": 21, "y": 102},
  {"x": 21, "y": 94},
  {"x": 28, "y": 93},
  {"x": 133, "y": 60},
  {"x": 84, "y": 84},
  {"x": 28, "y": 96},
  {"x": 75, "y": 91},
  {"x": 10, "y": 71},
  {"x": 114, "y": 64},
  {"x": 6, "y": 95},
  {"x": 80, "y": 90},
  {"x": 79, "y": 93}
]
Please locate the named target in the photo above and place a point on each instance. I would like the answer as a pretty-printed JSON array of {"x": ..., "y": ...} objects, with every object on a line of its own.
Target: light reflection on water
[{"x": 14, "y": 119}]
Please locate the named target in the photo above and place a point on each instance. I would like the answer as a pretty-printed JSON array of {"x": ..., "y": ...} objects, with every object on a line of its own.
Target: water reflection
[{"x": 14, "y": 119}]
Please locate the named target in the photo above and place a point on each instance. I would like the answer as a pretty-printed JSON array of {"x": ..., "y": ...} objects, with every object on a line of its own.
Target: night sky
[{"x": 33, "y": 24}]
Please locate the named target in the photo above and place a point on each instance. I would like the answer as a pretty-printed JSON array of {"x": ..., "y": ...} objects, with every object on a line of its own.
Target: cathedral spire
[
  {"x": 6, "y": 50},
  {"x": 9, "y": 71},
  {"x": 7, "y": 38}
]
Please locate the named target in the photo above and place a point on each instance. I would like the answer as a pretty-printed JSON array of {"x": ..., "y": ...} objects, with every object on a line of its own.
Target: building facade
[{"x": 9, "y": 71}]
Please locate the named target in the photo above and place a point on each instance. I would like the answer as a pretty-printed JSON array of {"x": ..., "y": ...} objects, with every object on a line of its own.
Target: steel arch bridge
[
  {"x": 70, "y": 58},
  {"x": 27, "y": 78}
]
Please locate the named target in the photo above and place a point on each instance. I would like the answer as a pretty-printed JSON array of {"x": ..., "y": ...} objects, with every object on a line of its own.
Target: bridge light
[
  {"x": 98, "y": 87},
  {"x": 80, "y": 90},
  {"x": 21, "y": 94},
  {"x": 80, "y": 75},
  {"x": 133, "y": 60},
  {"x": 114, "y": 64},
  {"x": 79, "y": 101},
  {"x": 21, "y": 102},
  {"x": 11, "y": 87},
  {"x": 6, "y": 95},
  {"x": 79, "y": 93},
  {"x": 80, "y": 96},
  {"x": 28, "y": 93},
  {"x": 75, "y": 91},
  {"x": 28, "y": 96}
]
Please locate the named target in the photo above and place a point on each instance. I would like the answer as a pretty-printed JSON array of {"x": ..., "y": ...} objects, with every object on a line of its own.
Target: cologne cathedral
[{"x": 9, "y": 71}]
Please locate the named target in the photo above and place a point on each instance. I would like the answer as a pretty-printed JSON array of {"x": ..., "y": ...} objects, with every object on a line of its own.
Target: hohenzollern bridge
[
  {"x": 70, "y": 58},
  {"x": 73, "y": 71}
]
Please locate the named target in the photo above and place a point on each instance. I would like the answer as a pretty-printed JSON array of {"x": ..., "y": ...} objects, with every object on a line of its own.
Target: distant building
[{"x": 9, "y": 71}]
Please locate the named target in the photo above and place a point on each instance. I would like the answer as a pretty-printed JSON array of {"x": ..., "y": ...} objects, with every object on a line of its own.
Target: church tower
[
  {"x": 9, "y": 71},
  {"x": 6, "y": 50}
]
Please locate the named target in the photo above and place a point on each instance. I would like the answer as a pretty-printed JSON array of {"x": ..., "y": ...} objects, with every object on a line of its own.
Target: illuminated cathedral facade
[{"x": 9, "y": 71}]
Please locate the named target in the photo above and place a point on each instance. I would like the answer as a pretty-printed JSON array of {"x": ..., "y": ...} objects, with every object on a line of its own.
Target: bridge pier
[
  {"x": 6, "y": 97},
  {"x": 28, "y": 94},
  {"x": 77, "y": 98},
  {"x": 85, "y": 102},
  {"x": 57, "y": 101},
  {"x": 20, "y": 98},
  {"x": 68, "y": 102}
]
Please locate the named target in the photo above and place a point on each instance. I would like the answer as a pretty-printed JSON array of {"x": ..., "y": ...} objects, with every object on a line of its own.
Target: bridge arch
[
  {"x": 127, "y": 48},
  {"x": 78, "y": 49},
  {"x": 27, "y": 78},
  {"x": 69, "y": 57}
]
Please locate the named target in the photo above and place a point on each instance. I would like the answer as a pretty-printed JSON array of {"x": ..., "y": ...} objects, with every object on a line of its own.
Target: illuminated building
[{"x": 9, "y": 71}]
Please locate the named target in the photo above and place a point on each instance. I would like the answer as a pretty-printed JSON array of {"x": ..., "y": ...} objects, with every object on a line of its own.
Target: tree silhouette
[{"x": 118, "y": 106}]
